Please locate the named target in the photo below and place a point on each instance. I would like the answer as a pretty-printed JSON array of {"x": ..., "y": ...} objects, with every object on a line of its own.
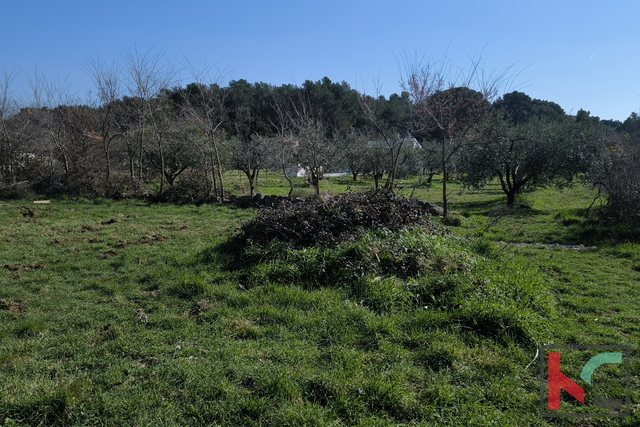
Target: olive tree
[{"x": 537, "y": 152}]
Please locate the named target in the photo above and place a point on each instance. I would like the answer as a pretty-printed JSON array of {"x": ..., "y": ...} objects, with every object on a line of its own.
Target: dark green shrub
[{"x": 452, "y": 221}]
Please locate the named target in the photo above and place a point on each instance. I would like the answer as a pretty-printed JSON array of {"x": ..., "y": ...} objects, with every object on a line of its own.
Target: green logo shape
[{"x": 597, "y": 360}]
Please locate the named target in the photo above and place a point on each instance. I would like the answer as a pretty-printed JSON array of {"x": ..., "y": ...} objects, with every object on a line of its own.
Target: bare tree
[
  {"x": 315, "y": 143},
  {"x": 203, "y": 104},
  {"x": 107, "y": 80},
  {"x": 282, "y": 146},
  {"x": 174, "y": 146},
  {"x": 47, "y": 98},
  {"x": 146, "y": 76},
  {"x": 10, "y": 140},
  {"x": 450, "y": 102},
  {"x": 389, "y": 126}
]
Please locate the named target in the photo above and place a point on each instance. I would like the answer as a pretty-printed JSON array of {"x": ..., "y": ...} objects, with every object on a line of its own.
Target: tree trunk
[
  {"x": 376, "y": 179},
  {"x": 445, "y": 179},
  {"x": 214, "y": 179},
  {"x": 284, "y": 172},
  {"x": 315, "y": 182},
  {"x": 107, "y": 155},
  {"x": 161, "y": 171},
  {"x": 251, "y": 177},
  {"x": 218, "y": 166},
  {"x": 141, "y": 154}
]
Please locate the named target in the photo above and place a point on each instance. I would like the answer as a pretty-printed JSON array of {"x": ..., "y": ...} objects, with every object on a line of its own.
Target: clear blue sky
[{"x": 579, "y": 54}]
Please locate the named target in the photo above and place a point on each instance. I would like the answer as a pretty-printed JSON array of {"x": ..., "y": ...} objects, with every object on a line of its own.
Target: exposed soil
[
  {"x": 12, "y": 306},
  {"x": 23, "y": 267}
]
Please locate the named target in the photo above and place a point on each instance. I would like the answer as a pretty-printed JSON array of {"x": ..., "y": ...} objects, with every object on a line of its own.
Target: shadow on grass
[
  {"x": 595, "y": 232},
  {"x": 496, "y": 207}
]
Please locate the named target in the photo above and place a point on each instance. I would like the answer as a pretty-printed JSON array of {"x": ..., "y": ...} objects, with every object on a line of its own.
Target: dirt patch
[
  {"x": 149, "y": 239},
  {"x": 89, "y": 229},
  {"x": 109, "y": 332},
  {"x": 107, "y": 254},
  {"x": 26, "y": 211},
  {"x": 153, "y": 293},
  {"x": 111, "y": 221},
  {"x": 198, "y": 308},
  {"x": 12, "y": 306},
  {"x": 156, "y": 237},
  {"x": 23, "y": 267},
  {"x": 142, "y": 316}
]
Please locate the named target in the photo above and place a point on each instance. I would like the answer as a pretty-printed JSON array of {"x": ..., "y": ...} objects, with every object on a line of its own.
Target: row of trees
[{"x": 142, "y": 127}]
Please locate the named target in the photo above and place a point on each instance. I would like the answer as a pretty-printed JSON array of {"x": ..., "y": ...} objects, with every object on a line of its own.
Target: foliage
[
  {"x": 143, "y": 130},
  {"x": 534, "y": 153},
  {"x": 619, "y": 177},
  {"x": 519, "y": 108}
]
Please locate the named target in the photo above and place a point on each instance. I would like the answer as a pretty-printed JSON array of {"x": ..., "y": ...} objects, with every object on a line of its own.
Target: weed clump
[{"x": 327, "y": 222}]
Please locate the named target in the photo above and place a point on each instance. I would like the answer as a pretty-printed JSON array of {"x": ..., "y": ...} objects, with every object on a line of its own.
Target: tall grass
[{"x": 127, "y": 313}]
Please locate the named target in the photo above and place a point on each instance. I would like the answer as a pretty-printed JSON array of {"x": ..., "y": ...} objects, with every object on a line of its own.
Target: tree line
[{"x": 144, "y": 134}]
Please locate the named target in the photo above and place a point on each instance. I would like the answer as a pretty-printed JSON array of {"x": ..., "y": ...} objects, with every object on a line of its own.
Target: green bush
[{"x": 419, "y": 269}]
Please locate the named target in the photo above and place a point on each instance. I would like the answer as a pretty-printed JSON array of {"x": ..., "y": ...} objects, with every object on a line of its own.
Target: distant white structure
[
  {"x": 302, "y": 172},
  {"x": 407, "y": 142}
]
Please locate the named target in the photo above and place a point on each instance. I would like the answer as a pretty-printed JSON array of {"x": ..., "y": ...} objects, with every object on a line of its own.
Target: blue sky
[{"x": 579, "y": 54}]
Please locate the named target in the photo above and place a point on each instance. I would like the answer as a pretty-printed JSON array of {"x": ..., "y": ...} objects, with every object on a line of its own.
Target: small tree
[
  {"x": 248, "y": 156},
  {"x": 147, "y": 77},
  {"x": 534, "y": 153},
  {"x": 354, "y": 150},
  {"x": 12, "y": 131},
  {"x": 389, "y": 124},
  {"x": 108, "y": 86},
  {"x": 450, "y": 105},
  {"x": 281, "y": 147},
  {"x": 204, "y": 106},
  {"x": 618, "y": 176},
  {"x": 316, "y": 147}
]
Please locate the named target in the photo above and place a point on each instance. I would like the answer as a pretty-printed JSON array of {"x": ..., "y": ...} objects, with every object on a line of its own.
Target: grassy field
[{"x": 126, "y": 313}]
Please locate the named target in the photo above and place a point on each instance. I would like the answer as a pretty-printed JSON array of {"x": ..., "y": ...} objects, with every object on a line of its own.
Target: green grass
[{"x": 126, "y": 313}]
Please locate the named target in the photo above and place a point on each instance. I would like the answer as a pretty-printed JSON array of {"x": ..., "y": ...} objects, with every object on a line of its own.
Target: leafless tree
[
  {"x": 107, "y": 80},
  {"x": 389, "y": 127},
  {"x": 47, "y": 96},
  {"x": 146, "y": 76},
  {"x": 10, "y": 140},
  {"x": 204, "y": 106},
  {"x": 315, "y": 146},
  {"x": 451, "y": 102},
  {"x": 282, "y": 145}
]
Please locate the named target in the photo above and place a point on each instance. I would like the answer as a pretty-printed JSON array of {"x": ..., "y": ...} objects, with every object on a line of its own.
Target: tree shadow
[
  {"x": 592, "y": 231},
  {"x": 496, "y": 206}
]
